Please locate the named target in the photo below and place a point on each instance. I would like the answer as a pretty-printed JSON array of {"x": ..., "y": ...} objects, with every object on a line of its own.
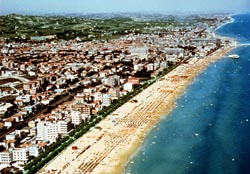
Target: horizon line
[{"x": 174, "y": 13}]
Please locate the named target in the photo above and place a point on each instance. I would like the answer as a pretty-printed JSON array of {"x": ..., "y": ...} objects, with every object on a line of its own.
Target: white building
[
  {"x": 163, "y": 65},
  {"x": 5, "y": 158},
  {"x": 98, "y": 96},
  {"x": 79, "y": 98},
  {"x": 34, "y": 151},
  {"x": 47, "y": 131},
  {"x": 173, "y": 54},
  {"x": 63, "y": 126},
  {"x": 138, "y": 67},
  {"x": 11, "y": 136},
  {"x": 20, "y": 155},
  {"x": 128, "y": 86},
  {"x": 114, "y": 93},
  {"x": 76, "y": 117},
  {"x": 106, "y": 100},
  {"x": 150, "y": 67},
  {"x": 113, "y": 81},
  {"x": 141, "y": 52}
]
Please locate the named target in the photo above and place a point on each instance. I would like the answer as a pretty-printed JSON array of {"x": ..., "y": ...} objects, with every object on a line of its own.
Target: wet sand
[{"x": 107, "y": 148}]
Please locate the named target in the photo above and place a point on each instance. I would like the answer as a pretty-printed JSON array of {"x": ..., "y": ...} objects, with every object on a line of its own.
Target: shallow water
[{"x": 209, "y": 131}]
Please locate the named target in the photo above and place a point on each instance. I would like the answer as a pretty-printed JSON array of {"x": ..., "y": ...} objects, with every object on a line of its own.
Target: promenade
[{"x": 107, "y": 147}]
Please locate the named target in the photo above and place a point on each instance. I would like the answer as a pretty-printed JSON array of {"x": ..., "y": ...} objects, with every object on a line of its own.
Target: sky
[{"x": 104, "y": 6}]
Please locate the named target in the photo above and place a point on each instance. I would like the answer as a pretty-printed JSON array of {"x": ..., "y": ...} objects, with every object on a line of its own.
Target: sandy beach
[{"x": 107, "y": 148}]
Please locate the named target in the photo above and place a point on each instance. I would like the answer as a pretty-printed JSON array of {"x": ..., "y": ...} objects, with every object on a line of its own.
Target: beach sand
[{"x": 108, "y": 148}]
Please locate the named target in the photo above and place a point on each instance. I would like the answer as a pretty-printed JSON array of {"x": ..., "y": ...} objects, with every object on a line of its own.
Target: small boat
[{"x": 234, "y": 56}]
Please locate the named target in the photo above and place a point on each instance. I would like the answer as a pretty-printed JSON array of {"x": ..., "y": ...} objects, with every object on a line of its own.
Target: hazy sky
[{"x": 95, "y": 6}]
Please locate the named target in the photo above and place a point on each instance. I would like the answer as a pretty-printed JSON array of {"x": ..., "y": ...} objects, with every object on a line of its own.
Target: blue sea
[{"x": 209, "y": 131}]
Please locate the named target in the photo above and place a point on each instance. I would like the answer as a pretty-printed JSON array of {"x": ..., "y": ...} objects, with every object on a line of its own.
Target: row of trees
[{"x": 54, "y": 149}]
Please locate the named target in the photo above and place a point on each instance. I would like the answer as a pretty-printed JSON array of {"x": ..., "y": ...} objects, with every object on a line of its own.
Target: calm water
[{"x": 209, "y": 131}]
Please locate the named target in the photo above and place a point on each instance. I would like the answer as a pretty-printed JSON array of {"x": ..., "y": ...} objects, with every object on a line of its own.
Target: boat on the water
[{"x": 234, "y": 56}]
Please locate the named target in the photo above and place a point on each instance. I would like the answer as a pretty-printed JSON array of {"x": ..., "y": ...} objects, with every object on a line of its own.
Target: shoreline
[
  {"x": 120, "y": 135},
  {"x": 232, "y": 20},
  {"x": 165, "y": 111}
]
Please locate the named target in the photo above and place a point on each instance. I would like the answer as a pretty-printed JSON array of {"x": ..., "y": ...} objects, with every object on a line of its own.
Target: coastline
[
  {"x": 109, "y": 148},
  {"x": 166, "y": 108},
  {"x": 232, "y": 20}
]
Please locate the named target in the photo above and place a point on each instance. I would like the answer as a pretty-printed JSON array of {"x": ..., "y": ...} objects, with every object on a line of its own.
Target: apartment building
[
  {"x": 47, "y": 131},
  {"x": 20, "y": 155},
  {"x": 5, "y": 158},
  {"x": 64, "y": 126}
]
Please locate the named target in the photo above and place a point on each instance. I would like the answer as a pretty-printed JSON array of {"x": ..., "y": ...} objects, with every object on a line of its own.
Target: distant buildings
[{"x": 42, "y": 38}]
